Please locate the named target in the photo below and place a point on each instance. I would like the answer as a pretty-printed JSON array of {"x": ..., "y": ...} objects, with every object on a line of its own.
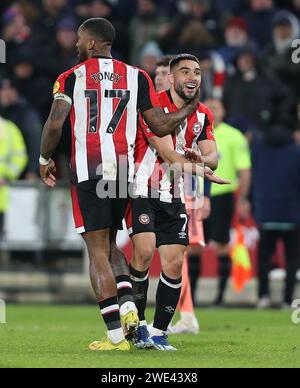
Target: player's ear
[
  {"x": 171, "y": 79},
  {"x": 92, "y": 44}
]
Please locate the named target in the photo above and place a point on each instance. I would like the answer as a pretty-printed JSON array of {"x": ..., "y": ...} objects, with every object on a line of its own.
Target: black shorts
[
  {"x": 92, "y": 213},
  {"x": 169, "y": 221},
  {"x": 220, "y": 221}
]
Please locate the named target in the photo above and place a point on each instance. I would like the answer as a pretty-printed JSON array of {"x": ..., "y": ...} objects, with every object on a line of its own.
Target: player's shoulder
[
  {"x": 202, "y": 108},
  {"x": 164, "y": 98},
  {"x": 65, "y": 75}
]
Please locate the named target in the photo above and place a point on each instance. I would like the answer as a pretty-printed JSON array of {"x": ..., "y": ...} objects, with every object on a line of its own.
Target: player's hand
[
  {"x": 193, "y": 155},
  {"x": 193, "y": 104},
  {"x": 212, "y": 177},
  {"x": 47, "y": 172}
]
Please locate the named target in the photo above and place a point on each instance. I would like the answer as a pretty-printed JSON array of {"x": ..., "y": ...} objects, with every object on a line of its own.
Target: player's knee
[
  {"x": 144, "y": 256},
  {"x": 173, "y": 268}
]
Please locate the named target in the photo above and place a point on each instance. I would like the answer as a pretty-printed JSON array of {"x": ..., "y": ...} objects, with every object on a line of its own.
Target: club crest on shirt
[
  {"x": 144, "y": 219},
  {"x": 197, "y": 128}
]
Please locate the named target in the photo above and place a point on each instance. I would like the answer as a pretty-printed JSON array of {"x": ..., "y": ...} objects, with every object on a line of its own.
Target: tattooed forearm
[
  {"x": 163, "y": 124},
  {"x": 53, "y": 128}
]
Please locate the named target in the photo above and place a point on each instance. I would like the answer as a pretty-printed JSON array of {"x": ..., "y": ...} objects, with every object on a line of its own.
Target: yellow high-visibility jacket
[{"x": 13, "y": 158}]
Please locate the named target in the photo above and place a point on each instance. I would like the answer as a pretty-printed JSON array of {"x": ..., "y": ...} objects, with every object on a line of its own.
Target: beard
[{"x": 185, "y": 97}]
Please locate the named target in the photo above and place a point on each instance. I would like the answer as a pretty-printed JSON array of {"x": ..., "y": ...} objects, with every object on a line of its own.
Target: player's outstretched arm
[
  {"x": 51, "y": 136},
  {"x": 163, "y": 124},
  {"x": 165, "y": 148}
]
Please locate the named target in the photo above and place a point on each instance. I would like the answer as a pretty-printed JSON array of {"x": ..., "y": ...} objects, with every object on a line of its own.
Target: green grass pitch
[{"x": 58, "y": 336}]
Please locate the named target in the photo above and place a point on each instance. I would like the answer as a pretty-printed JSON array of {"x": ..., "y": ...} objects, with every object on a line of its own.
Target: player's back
[{"x": 105, "y": 95}]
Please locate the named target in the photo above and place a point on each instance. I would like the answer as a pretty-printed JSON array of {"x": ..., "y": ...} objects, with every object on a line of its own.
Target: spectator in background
[
  {"x": 15, "y": 30},
  {"x": 52, "y": 11},
  {"x": 235, "y": 165},
  {"x": 276, "y": 199},
  {"x": 297, "y": 125},
  {"x": 148, "y": 25},
  {"x": 105, "y": 9},
  {"x": 13, "y": 160},
  {"x": 16, "y": 109},
  {"x": 251, "y": 95},
  {"x": 30, "y": 84},
  {"x": 236, "y": 36},
  {"x": 150, "y": 56},
  {"x": 278, "y": 55},
  {"x": 196, "y": 28},
  {"x": 259, "y": 19},
  {"x": 161, "y": 74},
  {"x": 295, "y": 8},
  {"x": 61, "y": 55},
  {"x": 213, "y": 74}
]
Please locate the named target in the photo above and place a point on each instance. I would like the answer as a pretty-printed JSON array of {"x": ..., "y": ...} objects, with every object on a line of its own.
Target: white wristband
[{"x": 43, "y": 161}]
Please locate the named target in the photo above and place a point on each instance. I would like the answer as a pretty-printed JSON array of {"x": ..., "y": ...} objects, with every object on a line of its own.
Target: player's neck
[
  {"x": 102, "y": 53},
  {"x": 177, "y": 100}
]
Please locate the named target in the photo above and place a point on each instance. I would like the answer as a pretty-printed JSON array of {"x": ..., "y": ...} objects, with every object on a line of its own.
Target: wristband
[{"x": 43, "y": 161}]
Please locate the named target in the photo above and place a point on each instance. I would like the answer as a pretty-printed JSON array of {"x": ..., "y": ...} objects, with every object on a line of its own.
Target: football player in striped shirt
[{"x": 103, "y": 98}]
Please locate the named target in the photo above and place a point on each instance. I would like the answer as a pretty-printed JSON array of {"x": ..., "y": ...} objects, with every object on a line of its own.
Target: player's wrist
[{"x": 43, "y": 161}]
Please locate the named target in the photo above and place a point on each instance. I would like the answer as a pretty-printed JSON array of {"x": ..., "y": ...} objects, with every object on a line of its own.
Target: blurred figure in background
[
  {"x": 61, "y": 54},
  {"x": 259, "y": 19},
  {"x": 28, "y": 81},
  {"x": 276, "y": 200},
  {"x": 161, "y": 74},
  {"x": 235, "y": 165},
  {"x": 278, "y": 55},
  {"x": 148, "y": 25},
  {"x": 253, "y": 95},
  {"x": 13, "y": 160},
  {"x": 16, "y": 109},
  {"x": 149, "y": 57},
  {"x": 236, "y": 37}
]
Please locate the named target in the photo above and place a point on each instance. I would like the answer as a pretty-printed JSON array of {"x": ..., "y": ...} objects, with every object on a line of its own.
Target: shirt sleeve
[
  {"x": 208, "y": 130},
  {"x": 64, "y": 87},
  {"x": 147, "y": 97},
  {"x": 144, "y": 127}
]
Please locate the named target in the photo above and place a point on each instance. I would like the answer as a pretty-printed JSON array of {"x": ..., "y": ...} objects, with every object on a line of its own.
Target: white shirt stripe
[
  {"x": 80, "y": 107},
  {"x": 108, "y": 151},
  {"x": 131, "y": 127},
  {"x": 144, "y": 172}
]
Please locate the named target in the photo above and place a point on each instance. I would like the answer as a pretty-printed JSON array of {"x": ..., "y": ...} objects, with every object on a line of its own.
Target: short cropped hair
[
  {"x": 183, "y": 57},
  {"x": 101, "y": 29}
]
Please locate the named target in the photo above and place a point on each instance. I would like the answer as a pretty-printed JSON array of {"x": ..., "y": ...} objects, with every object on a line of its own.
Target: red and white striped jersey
[
  {"x": 106, "y": 96},
  {"x": 152, "y": 173}
]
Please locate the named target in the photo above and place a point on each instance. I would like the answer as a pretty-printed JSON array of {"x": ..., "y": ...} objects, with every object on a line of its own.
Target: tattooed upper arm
[
  {"x": 156, "y": 119},
  {"x": 59, "y": 112}
]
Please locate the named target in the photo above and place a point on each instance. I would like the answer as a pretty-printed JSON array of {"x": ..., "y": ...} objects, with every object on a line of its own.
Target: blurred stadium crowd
[{"x": 245, "y": 49}]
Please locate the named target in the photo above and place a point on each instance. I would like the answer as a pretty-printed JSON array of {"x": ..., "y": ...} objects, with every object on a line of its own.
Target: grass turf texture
[{"x": 58, "y": 336}]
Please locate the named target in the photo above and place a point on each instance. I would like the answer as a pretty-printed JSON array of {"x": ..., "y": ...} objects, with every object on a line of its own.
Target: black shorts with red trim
[
  {"x": 169, "y": 221},
  {"x": 92, "y": 213}
]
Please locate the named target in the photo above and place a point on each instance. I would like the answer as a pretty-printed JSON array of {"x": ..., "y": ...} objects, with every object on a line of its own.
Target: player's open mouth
[{"x": 191, "y": 86}]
